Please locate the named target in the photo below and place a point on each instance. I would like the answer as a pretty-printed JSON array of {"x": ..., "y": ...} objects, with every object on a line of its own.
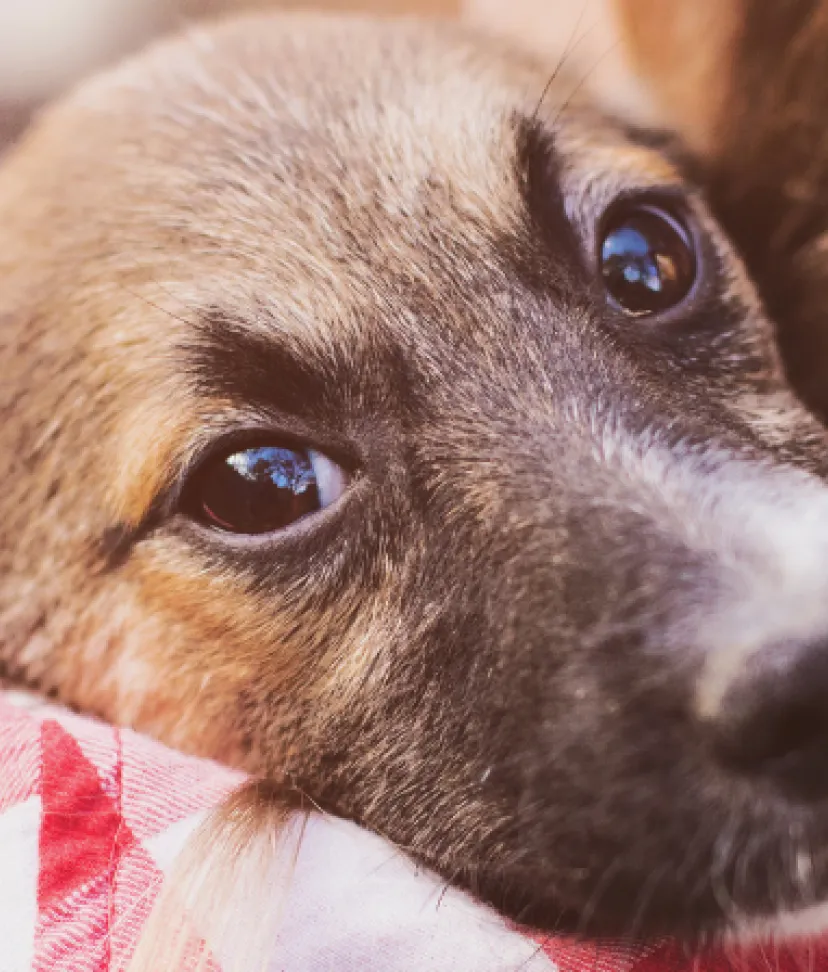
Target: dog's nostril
[{"x": 773, "y": 721}]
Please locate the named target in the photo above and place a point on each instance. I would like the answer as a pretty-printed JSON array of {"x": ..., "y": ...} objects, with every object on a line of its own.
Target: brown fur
[
  {"x": 489, "y": 651},
  {"x": 746, "y": 81}
]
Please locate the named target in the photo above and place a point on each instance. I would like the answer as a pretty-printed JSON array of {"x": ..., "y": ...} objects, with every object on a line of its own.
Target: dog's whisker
[
  {"x": 155, "y": 306},
  {"x": 570, "y": 47},
  {"x": 585, "y": 77}
]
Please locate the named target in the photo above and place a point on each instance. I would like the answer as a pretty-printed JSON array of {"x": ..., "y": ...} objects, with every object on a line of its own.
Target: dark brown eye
[
  {"x": 648, "y": 262},
  {"x": 262, "y": 489}
]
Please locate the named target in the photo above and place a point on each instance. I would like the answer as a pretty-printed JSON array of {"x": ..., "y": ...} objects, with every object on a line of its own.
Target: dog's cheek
[
  {"x": 113, "y": 653},
  {"x": 209, "y": 662}
]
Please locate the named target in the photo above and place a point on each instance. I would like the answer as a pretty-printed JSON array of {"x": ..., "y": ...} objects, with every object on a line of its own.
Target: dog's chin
[
  {"x": 696, "y": 925},
  {"x": 759, "y": 889},
  {"x": 628, "y": 910}
]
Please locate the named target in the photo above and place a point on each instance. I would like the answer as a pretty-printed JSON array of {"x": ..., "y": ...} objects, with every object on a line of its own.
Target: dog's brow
[{"x": 265, "y": 367}]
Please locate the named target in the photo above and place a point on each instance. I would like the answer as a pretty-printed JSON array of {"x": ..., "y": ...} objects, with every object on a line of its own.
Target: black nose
[{"x": 773, "y": 720}]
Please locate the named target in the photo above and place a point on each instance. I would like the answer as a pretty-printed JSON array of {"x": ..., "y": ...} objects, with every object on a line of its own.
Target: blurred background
[{"x": 46, "y": 45}]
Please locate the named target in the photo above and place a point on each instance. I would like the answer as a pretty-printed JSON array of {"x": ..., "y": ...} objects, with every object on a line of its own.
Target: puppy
[{"x": 380, "y": 426}]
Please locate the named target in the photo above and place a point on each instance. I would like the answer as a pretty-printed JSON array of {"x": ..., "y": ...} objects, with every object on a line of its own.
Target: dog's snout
[{"x": 772, "y": 721}]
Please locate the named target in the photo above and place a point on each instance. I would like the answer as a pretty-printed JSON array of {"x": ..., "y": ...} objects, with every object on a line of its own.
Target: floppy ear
[{"x": 746, "y": 83}]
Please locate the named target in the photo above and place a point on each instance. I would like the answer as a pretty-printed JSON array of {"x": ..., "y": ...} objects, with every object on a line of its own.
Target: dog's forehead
[
  {"x": 337, "y": 110},
  {"x": 292, "y": 150},
  {"x": 308, "y": 152},
  {"x": 294, "y": 140},
  {"x": 311, "y": 161}
]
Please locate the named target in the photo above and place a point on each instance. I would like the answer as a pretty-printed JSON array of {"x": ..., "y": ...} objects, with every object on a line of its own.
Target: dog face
[{"x": 374, "y": 427}]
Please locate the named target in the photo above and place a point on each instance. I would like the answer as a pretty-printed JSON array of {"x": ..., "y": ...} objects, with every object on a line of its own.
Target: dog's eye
[
  {"x": 263, "y": 489},
  {"x": 647, "y": 259}
]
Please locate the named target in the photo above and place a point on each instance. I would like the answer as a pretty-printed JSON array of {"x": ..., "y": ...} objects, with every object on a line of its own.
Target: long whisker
[
  {"x": 571, "y": 46},
  {"x": 587, "y": 75}
]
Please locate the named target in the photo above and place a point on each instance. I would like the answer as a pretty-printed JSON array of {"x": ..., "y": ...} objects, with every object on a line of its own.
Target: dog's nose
[{"x": 772, "y": 721}]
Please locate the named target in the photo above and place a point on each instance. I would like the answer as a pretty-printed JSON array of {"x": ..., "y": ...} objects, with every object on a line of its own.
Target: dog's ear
[{"x": 746, "y": 83}]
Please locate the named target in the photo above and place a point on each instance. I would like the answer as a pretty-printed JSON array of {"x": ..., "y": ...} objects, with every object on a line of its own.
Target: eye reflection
[{"x": 284, "y": 468}]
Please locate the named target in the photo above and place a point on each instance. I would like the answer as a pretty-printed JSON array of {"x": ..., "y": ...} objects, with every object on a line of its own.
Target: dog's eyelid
[
  {"x": 688, "y": 166},
  {"x": 677, "y": 195}
]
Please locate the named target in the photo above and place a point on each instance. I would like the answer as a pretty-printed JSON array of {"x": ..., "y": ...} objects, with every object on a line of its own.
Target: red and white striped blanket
[{"x": 92, "y": 817}]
